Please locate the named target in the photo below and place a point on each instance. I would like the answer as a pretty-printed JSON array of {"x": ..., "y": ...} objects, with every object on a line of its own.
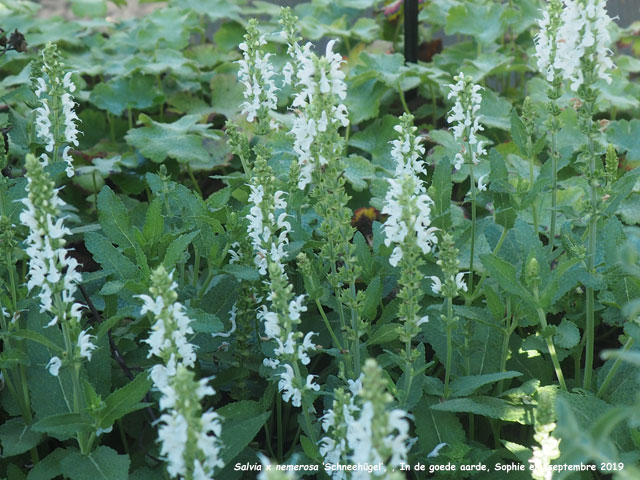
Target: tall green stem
[
  {"x": 550, "y": 346},
  {"x": 612, "y": 371},
  {"x": 473, "y": 224},
  {"x": 449, "y": 329}
]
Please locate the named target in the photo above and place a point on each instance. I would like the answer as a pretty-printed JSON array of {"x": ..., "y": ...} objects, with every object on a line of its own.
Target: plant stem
[
  {"x": 279, "y": 426},
  {"x": 612, "y": 371},
  {"x": 554, "y": 188},
  {"x": 497, "y": 248},
  {"x": 550, "y": 345},
  {"x": 328, "y": 325},
  {"x": 193, "y": 179},
  {"x": 403, "y": 100},
  {"x": 473, "y": 224},
  {"x": 449, "y": 327}
]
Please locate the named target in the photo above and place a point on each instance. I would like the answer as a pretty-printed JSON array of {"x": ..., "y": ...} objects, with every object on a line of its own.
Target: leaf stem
[
  {"x": 449, "y": 328},
  {"x": 549, "y": 340}
]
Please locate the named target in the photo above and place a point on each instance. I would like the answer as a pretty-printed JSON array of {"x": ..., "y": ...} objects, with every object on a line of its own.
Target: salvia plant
[{"x": 348, "y": 240}]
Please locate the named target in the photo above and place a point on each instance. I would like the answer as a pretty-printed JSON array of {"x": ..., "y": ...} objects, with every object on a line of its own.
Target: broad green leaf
[
  {"x": 625, "y": 135},
  {"x": 625, "y": 385},
  {"x": 490, "y": 407},
  {"x": 183, "y": 139},
  {"x": 167, "y": 27},
  {"x": 495, "y": 110},
  {"x": 621, "y": 190},
  {"x": 243, "y": 420},
  {"x": 49, "y": 467},
  {"x": 64, "y": 424},
  {"x": 89, "y": 8},
  {"x": 567, "y": 334},
  {"x": 154, "y": 222},
  {"x": 226, "y": 93},
  {"x": 384, "y": 334},
  {"x": 114, "y": 218},
  {"x": 103, "y": 463},
  {"x": 364, "y": 93},
  {"x": 204, "y": 322},
  {"x": 134, "y": 91},
  {"x": 357, "y": 170},
  {"x": 35, "y": 337},
  {"x": 372, "y": 296},
  {"x": 242, "y": 272},
  {"x": 465, "y": 386},
  {"x": 374, "y": 140},
  {"x": 124, "y": 400},
  {"x": 440, "y": 191},
  {"x": 110, "y": 258},
  {"x": 435, "y": 427},
  {"x": 17, "y": 438},
  {"x": 505, "y": 274},
  {"x": 176, "y": 249},
  {"x": 518, "y": 133},
  {"x": 482, "y": 21},
  {"x": 504, "y": 213}
]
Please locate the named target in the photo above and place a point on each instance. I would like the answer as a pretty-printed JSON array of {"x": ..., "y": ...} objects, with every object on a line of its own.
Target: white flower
[
  {"x": 543, "y": 455},
  {"x": 436, "y": 450},
  {"x": 85, "y": 345},
  {"x": 256, "y": 75},
  {"x": 583, "y": 35},
  {"x": 54, "y": 366},
  {"x": 172, "y": 326},
  {"x": 307, "y": 345},
  {"x": 460, "y": 283},
  {"x": 464, "y": 118},
  {"x": 482, "y": 187},
  {"x": 285, "y": 385},
  {"x": 436, "y": 285}
]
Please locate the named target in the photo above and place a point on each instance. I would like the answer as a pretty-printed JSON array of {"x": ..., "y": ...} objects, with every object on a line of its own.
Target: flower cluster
[
  {"x": 168, "y": 339},
  {"x": 51, "y": 269},
  {"x": 256, "y": 74},
  {"x": 548, "y": 450},
  {"x": 363, "y": 430},
  {"x": 320, "y": 90},
  {"x": 55, "y": 117},
  {"x": 465, "y": 120},
  {"x": 546, "y": 41},
  {"x": 583, "y": 36},
  {"x": 281, "y": 317},
  {"x": 448, "y": 261},
  {"x": 268, "y": 232},
  {"x": 189, "y": 437},
  {"x": 407, "y": 203}
]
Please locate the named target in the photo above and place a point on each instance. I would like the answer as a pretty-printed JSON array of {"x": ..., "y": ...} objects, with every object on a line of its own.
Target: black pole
[{"x": 411, "y": 31}]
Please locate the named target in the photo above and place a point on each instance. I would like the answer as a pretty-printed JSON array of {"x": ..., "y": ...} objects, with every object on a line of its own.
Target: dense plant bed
[{"x": 233, "y": 248}]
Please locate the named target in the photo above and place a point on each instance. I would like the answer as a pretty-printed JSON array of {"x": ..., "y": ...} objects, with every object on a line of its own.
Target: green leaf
[
  {"x": 177, "y": 248},
  {"x": 110, "y": 258},
  {"x": 64, "y": 424},
  {"x": 103, "y": 463},
  {"x": 384, "y": 334},
  {"x": 567, "y": 334},
  {"x": 35, "y": 337},
  {"x": 440, "y": 190},
  {"x": 518, "y": 133},
  {"x": 124, "y": 400},
  {"x": 495, "y": 110},
  {"x": 154, "y": 222},
  {"x": 465, "y": 386},
  {"x": 490, "y": 407},
  {"x": 625, "y": 135},
  {"x": 433, "y": 428},
  {"x": 482, "y": 21},
  {"x": 17, "y": 438},
  {"x": 364, "y": 93},
  {"x": 89, "y": 8},
  {"x": 621, "y": 190},
  {"x": 500, "y": 188},
  {"x": 505, "y": 274},
  {"x": 49, "y": 467},
  {"x": 357, "y": 170},
  {"x": 117, "y": 95},
  {"x": 374, "y": 140},
  {"x": 372, "y": 296},
  {"x": 226, "y": 93},
  {"x": 214, "y": 9},
  {"x": 243, "y": 420},
  {"x": 183, "y": 139},
  {"x": 114, "y": 218}
]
